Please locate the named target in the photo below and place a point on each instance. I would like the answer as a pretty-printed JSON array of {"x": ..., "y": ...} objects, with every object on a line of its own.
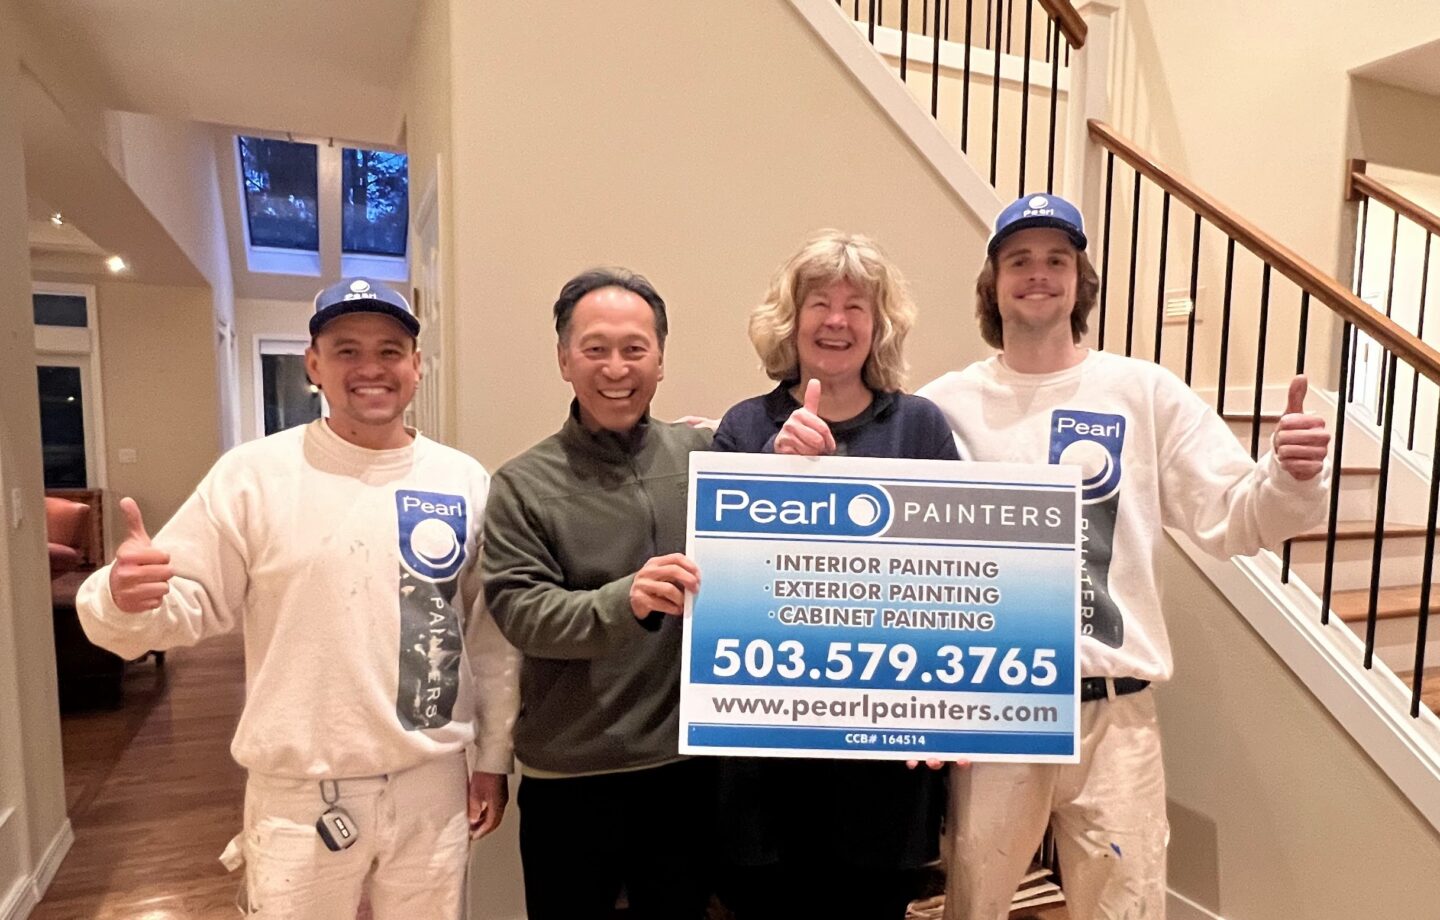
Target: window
[
  {"x": 286, "y": 397},
  {"x": 280, "y": 179},
  {"x": 67, "y": 352},
  {"x": 62, "y": 426},
  {"x": 70, "y": 310},
  {"x": 375, "y": 202}
]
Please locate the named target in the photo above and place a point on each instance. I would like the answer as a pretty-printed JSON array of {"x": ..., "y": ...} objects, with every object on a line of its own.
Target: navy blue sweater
[
  {"x": 893, "y": 425},
  {"x": 870, "y": 815}
]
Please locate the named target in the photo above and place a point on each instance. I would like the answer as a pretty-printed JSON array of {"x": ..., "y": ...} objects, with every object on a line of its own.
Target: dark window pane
[
  {"x": 280, "y": 193},
  {"x": 59, "y": 310},
  {"x": 289, "y": 398},
  {"x": 376, "y": 202},
  {"x": 62, "y": 427}
]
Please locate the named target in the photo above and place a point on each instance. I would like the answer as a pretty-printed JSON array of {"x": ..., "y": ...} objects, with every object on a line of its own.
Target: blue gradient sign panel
[{"x": 882, "y": 609}]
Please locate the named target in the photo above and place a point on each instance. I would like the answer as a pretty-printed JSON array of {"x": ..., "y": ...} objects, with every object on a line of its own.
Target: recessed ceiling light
[
  {"x": 115, "y": 264},
  {"x": 57, "y": 219}
]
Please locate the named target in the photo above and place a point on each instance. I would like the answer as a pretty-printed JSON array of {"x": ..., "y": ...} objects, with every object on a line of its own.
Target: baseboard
[
  {"x": 19, "y": 901},
  {"x": 54, "y": 856},
  {"x": 1179, "y": 907},
  {"x": 24, "y": 896}
]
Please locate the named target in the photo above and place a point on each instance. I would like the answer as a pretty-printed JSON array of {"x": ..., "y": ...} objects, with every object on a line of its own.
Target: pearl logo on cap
[
  {"x": 1039, "y": 201},
  {"x": 359, "y": 285}
]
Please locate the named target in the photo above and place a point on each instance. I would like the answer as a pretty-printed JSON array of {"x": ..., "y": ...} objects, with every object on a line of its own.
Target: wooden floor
[{"x": 154, "y": 795}]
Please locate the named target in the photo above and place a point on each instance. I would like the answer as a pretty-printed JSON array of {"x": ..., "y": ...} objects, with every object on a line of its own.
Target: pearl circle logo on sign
[
  {"x": 435, "y": 543},
  {"x": 863, "y": 510},
  {"x": 359, "y": 285},
  {"x": 1039, "y": 201}
]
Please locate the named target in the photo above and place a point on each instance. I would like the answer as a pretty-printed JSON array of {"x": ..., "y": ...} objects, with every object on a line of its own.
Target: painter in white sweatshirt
[{"x": 346, "y": 549}]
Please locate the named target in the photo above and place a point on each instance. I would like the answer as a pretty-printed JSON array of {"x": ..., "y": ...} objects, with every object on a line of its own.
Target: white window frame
[
  {"x": 275, "y": 343},
  {"x": 67, "y": 346}
]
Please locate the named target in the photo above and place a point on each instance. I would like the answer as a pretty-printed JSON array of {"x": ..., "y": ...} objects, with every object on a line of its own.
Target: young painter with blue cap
[
  {"x": 1154, "y": 455},
  {"x": 347, "y": 548}
]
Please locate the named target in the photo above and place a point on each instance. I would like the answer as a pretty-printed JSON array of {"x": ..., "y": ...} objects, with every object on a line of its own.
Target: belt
[{"x": 1093, "y": 688}]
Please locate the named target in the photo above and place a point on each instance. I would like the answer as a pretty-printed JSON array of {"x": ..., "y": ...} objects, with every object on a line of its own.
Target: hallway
[{"x": 154, "y": 795}]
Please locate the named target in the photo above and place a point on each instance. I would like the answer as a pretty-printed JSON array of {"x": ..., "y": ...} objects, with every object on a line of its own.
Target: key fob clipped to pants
[{"x": 335, "y": 826}]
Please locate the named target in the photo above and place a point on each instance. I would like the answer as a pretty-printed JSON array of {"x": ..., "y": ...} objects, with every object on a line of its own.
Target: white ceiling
[
  {"x": 330, "y": 68},
  {"x": 1416, "y": 69}
]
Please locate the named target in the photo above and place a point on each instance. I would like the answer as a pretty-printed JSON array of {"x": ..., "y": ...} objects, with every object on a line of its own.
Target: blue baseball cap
[
  {"x": 1038, "y": 210},
  {"x": 361, "y": 295}
]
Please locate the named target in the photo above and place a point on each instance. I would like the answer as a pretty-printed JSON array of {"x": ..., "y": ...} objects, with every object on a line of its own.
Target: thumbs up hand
[
  {"x": 140, "y": 575},
  {"x": 1300, "y": 441},
  {"x": 805, "y": 432}
]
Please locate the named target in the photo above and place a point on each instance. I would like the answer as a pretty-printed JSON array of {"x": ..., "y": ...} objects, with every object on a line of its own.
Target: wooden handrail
[
  {"x": 1321, "y": 286},
  {"x": 1361, "y": 184},
  {"x": 1070, "y": 22}
]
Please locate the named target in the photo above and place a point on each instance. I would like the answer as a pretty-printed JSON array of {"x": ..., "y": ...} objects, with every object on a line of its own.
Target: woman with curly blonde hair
[{"x": 831, "y": 838}]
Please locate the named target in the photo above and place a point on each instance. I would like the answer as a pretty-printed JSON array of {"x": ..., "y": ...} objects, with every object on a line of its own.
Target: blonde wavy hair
[{"x": 827, "y": 257}]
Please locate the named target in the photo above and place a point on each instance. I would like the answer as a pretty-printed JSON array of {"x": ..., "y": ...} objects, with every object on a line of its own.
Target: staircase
[{"x": 1345, "y": 607}]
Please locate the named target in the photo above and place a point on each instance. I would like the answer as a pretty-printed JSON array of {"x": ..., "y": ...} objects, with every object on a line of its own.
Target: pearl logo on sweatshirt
[{"x": 432, "y": 533}]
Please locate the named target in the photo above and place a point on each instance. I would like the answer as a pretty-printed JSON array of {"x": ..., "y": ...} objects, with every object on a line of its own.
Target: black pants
[
  {"x": 836, "y": 892},
  {"x": 649, "y": 831}
]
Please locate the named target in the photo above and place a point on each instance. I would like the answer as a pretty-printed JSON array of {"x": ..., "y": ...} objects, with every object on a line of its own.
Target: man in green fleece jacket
[{"x": 585, "y": 574}]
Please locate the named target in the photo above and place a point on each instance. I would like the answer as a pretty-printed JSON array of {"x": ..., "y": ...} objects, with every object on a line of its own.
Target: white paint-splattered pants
[
  {"x": 412, "y": 846},
  {"x": 1108, "y": 812}
]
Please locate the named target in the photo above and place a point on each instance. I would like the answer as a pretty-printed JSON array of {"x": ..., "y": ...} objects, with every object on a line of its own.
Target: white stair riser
[
  {"x": 1401, "y": 562},
  {"x": 1395, "y": 641}
]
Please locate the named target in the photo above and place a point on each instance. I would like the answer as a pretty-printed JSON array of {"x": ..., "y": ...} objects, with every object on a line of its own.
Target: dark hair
[
  {"x": 597, "y": 278},
  {"x": 987, "y": 306}
]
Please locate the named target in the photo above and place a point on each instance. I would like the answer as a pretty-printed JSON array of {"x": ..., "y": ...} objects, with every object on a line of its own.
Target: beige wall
[
  {"x": 32, "y": 791},
  {"x": 1274, "y": 810},
  {"x": 650, "y": 136},
  {"x": 158, "y": 371},
  {"x": 1254, "y": 102}
]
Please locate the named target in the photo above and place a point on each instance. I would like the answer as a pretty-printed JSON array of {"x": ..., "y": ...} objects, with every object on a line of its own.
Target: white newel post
[{"x": 1089, "y": 98}]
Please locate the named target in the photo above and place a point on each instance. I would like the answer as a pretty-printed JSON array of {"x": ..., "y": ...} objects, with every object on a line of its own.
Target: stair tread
[
  {"x": 1361, "y": 530},
  {"x": 1399, "y": 601}
]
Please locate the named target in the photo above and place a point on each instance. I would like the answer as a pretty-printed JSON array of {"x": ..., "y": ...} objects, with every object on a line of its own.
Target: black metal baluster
[
  {"x": 1389, "y": 306},
  {"x": 995, "y": 102},
  {"x": 965, "y": 83},
  {"x": 1372, "y": 614},
  {"x": 947, "y": 20},
  {"x": 1337, "y": 469},
  {"x": 1299, "y": 369},
  {"x": 1054, "y": 101},
  {"x": 989, "y": 26},
  {"x": 1025, "y": 96},
  {"x": 1194, "y": 292},
  {"x": 1419, "y": 334},
  {"x": 1009, "y": 24},
  {"x": 904, "y": 36},
  {"x": 1360, "y": 285},
  {"x": 1260, "y": 362},
  {"x": 1049, "y": 27},
  {"x": 935, "y": 67},
  {"x": 1134, "y": 264},
  {"x": 1160, "y": 285},
  {"x": 872, "y": 21},
  {"x": 1428, "y": 573},
  {"x": 1105, "y": 251},
  {"x": 1225, "y": 323}
]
